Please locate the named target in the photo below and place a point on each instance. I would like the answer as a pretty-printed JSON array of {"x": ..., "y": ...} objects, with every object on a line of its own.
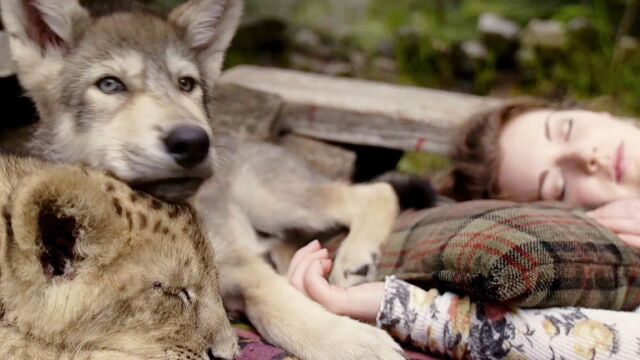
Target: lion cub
[{"x": 93, "y": 270}]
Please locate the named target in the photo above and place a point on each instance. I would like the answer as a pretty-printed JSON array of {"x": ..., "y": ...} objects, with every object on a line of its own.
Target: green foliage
[
  {"x": 423, "y": 164},
  {"x": 424, "y": 37},
  {"x": 427, "y": 34}
]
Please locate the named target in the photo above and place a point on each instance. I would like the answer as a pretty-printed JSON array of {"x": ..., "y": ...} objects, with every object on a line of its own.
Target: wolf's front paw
[
  {"x": 355, "y": 265},
  {"x": 355, "y": 340}
]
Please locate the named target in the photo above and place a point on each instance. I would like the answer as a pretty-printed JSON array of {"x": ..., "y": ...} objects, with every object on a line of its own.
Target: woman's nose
[{"x": 590, "y": 160}]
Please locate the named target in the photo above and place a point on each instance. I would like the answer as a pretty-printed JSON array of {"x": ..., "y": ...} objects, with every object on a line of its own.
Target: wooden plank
[
  {"x": 349, "y": 127},
  {"x": 362, "y": 112}
]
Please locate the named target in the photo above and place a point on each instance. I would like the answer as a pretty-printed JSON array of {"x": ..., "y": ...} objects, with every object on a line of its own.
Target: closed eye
[
  {"x": 186, "y": 296},
  {"x": 569, "y": 130},
  {"x": 563, "y": 192},
  {"x": 183, "y": 294}
]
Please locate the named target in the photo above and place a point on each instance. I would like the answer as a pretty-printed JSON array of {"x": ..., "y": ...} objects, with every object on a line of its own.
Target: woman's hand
[
  {"x": 621, "y": 217},
  {"x": 307, "y": 273}
]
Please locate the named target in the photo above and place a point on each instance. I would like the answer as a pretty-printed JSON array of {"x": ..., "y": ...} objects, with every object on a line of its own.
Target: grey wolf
[{"x": 130, "y": 93}]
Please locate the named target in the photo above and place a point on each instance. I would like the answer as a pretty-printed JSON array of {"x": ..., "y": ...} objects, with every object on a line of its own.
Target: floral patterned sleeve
[{"x": 453, "y": 326}]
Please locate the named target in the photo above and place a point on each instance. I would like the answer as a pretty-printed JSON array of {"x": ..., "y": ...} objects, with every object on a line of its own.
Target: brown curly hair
[{"x": 475, "y": 151}]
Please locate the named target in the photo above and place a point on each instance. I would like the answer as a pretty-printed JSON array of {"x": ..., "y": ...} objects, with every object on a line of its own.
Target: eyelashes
[
  {"x": 569, "y": 129},
  {"x": 183, "y": 294},
  {"x": 563, "y": 192}
]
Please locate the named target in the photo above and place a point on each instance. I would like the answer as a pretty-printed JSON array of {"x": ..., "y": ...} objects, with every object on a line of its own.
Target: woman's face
[{"x": 581, "y": 157}]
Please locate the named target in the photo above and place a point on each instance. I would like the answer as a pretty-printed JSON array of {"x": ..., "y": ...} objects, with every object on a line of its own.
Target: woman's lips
[{"x": 619, "y": 163}]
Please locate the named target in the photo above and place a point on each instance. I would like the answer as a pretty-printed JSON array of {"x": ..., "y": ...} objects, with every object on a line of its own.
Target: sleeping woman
[
  {"x": 522, "y": 151},
  {"x": 530, "y": 151}
]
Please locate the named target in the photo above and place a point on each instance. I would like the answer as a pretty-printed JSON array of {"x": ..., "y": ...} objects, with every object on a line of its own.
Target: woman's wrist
[{"x": 363, "y": 301}]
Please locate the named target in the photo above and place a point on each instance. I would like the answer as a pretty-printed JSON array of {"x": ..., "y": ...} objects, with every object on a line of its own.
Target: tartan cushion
[{"x": 541, "y": 255}]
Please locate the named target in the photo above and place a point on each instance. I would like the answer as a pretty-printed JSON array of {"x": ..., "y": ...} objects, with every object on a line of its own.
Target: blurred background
[{"x": 581, "y": 50}]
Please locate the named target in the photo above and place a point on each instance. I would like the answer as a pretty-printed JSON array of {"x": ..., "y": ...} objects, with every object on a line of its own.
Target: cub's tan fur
[{"x": 93, "y": 270}]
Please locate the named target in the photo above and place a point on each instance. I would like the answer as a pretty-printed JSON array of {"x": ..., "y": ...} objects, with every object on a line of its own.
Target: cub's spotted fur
[{"x": 93, "y": 270}]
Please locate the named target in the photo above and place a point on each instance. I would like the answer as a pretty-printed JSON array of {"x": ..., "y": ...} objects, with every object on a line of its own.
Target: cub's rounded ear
[
  {"x": 54, "y": 221},
  {"x": 208, "y": 26}
]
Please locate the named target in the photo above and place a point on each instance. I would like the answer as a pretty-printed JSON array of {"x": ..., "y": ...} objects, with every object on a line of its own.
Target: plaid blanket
[{"x": 542, "y": 255}]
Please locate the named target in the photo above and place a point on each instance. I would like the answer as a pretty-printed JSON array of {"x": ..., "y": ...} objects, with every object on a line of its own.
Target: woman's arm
[
  {"x": 307, "y": 272},
  {"x": 446, "y": 324}
]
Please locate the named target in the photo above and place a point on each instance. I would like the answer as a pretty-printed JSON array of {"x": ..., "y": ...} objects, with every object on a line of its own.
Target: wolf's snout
[{"x": 188, "y": 145}]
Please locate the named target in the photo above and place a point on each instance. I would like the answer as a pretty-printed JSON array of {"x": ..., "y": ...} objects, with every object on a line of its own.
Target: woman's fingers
[
  {"x": 296, "y": 277},
  {"x": 626, "y": 208},
  {"x": 327, "y": 264},
  {"x": 631, "y": 240},
  {"x": 319, "y": 289},
  {"x": 621, "y": 225},
  {"x": 301, "y": 253},
  {"x": 628, "y": 230}
]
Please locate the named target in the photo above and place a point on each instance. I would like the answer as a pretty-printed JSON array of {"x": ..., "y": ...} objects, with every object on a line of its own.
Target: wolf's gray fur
[{"x": 122, "y": 126}]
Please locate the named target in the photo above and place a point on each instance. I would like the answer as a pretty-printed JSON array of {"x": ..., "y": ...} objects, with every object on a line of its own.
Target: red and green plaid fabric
[{"x": 541, "y": 255}]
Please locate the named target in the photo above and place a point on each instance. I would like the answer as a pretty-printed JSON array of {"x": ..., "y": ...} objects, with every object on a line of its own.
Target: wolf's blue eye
[
  {"x": 111, "y": 85},
  {"x": 187, "y": 84}
]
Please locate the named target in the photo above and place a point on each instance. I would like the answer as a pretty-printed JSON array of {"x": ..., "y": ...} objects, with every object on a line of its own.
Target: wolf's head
[{"x": 126, "y": 92}]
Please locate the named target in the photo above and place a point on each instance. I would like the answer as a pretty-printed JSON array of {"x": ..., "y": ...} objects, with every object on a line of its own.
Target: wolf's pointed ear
[
  {"x": 55, "y": 221},
  {"x": 42, "y": 30},
  {"x": 208, "y": 26}
]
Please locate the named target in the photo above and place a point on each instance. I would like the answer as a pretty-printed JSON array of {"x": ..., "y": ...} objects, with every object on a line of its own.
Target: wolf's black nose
[{"x": 188, "y": 145}]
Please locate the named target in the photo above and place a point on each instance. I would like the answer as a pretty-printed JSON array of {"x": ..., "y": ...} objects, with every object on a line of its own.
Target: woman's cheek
[{"x": 593, "y": 192}]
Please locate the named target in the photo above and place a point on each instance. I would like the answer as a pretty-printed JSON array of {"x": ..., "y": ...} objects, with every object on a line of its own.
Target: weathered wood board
[{"x": 362, "y": 112}]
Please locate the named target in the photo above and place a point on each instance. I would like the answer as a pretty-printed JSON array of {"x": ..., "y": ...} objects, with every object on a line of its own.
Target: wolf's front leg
[
  {"x": 370, "y": 211},
  {"x": 285, "y": 317}
]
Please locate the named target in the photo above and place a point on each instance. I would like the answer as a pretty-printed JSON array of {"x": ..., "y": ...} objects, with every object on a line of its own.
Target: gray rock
[
  {"x": 495, "y": 25},
  {"x": 471, "y": 56},
  {"x": 384, "y": 64},
  {"x": 307, "y": 39},
  {"x": 627, "y": 46},
  {"x": 579, "y": 25},
  {"x": 546, "y": 34},
  {"x": 474, "y": 50},
  {"x": 314, "y": 64}
]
